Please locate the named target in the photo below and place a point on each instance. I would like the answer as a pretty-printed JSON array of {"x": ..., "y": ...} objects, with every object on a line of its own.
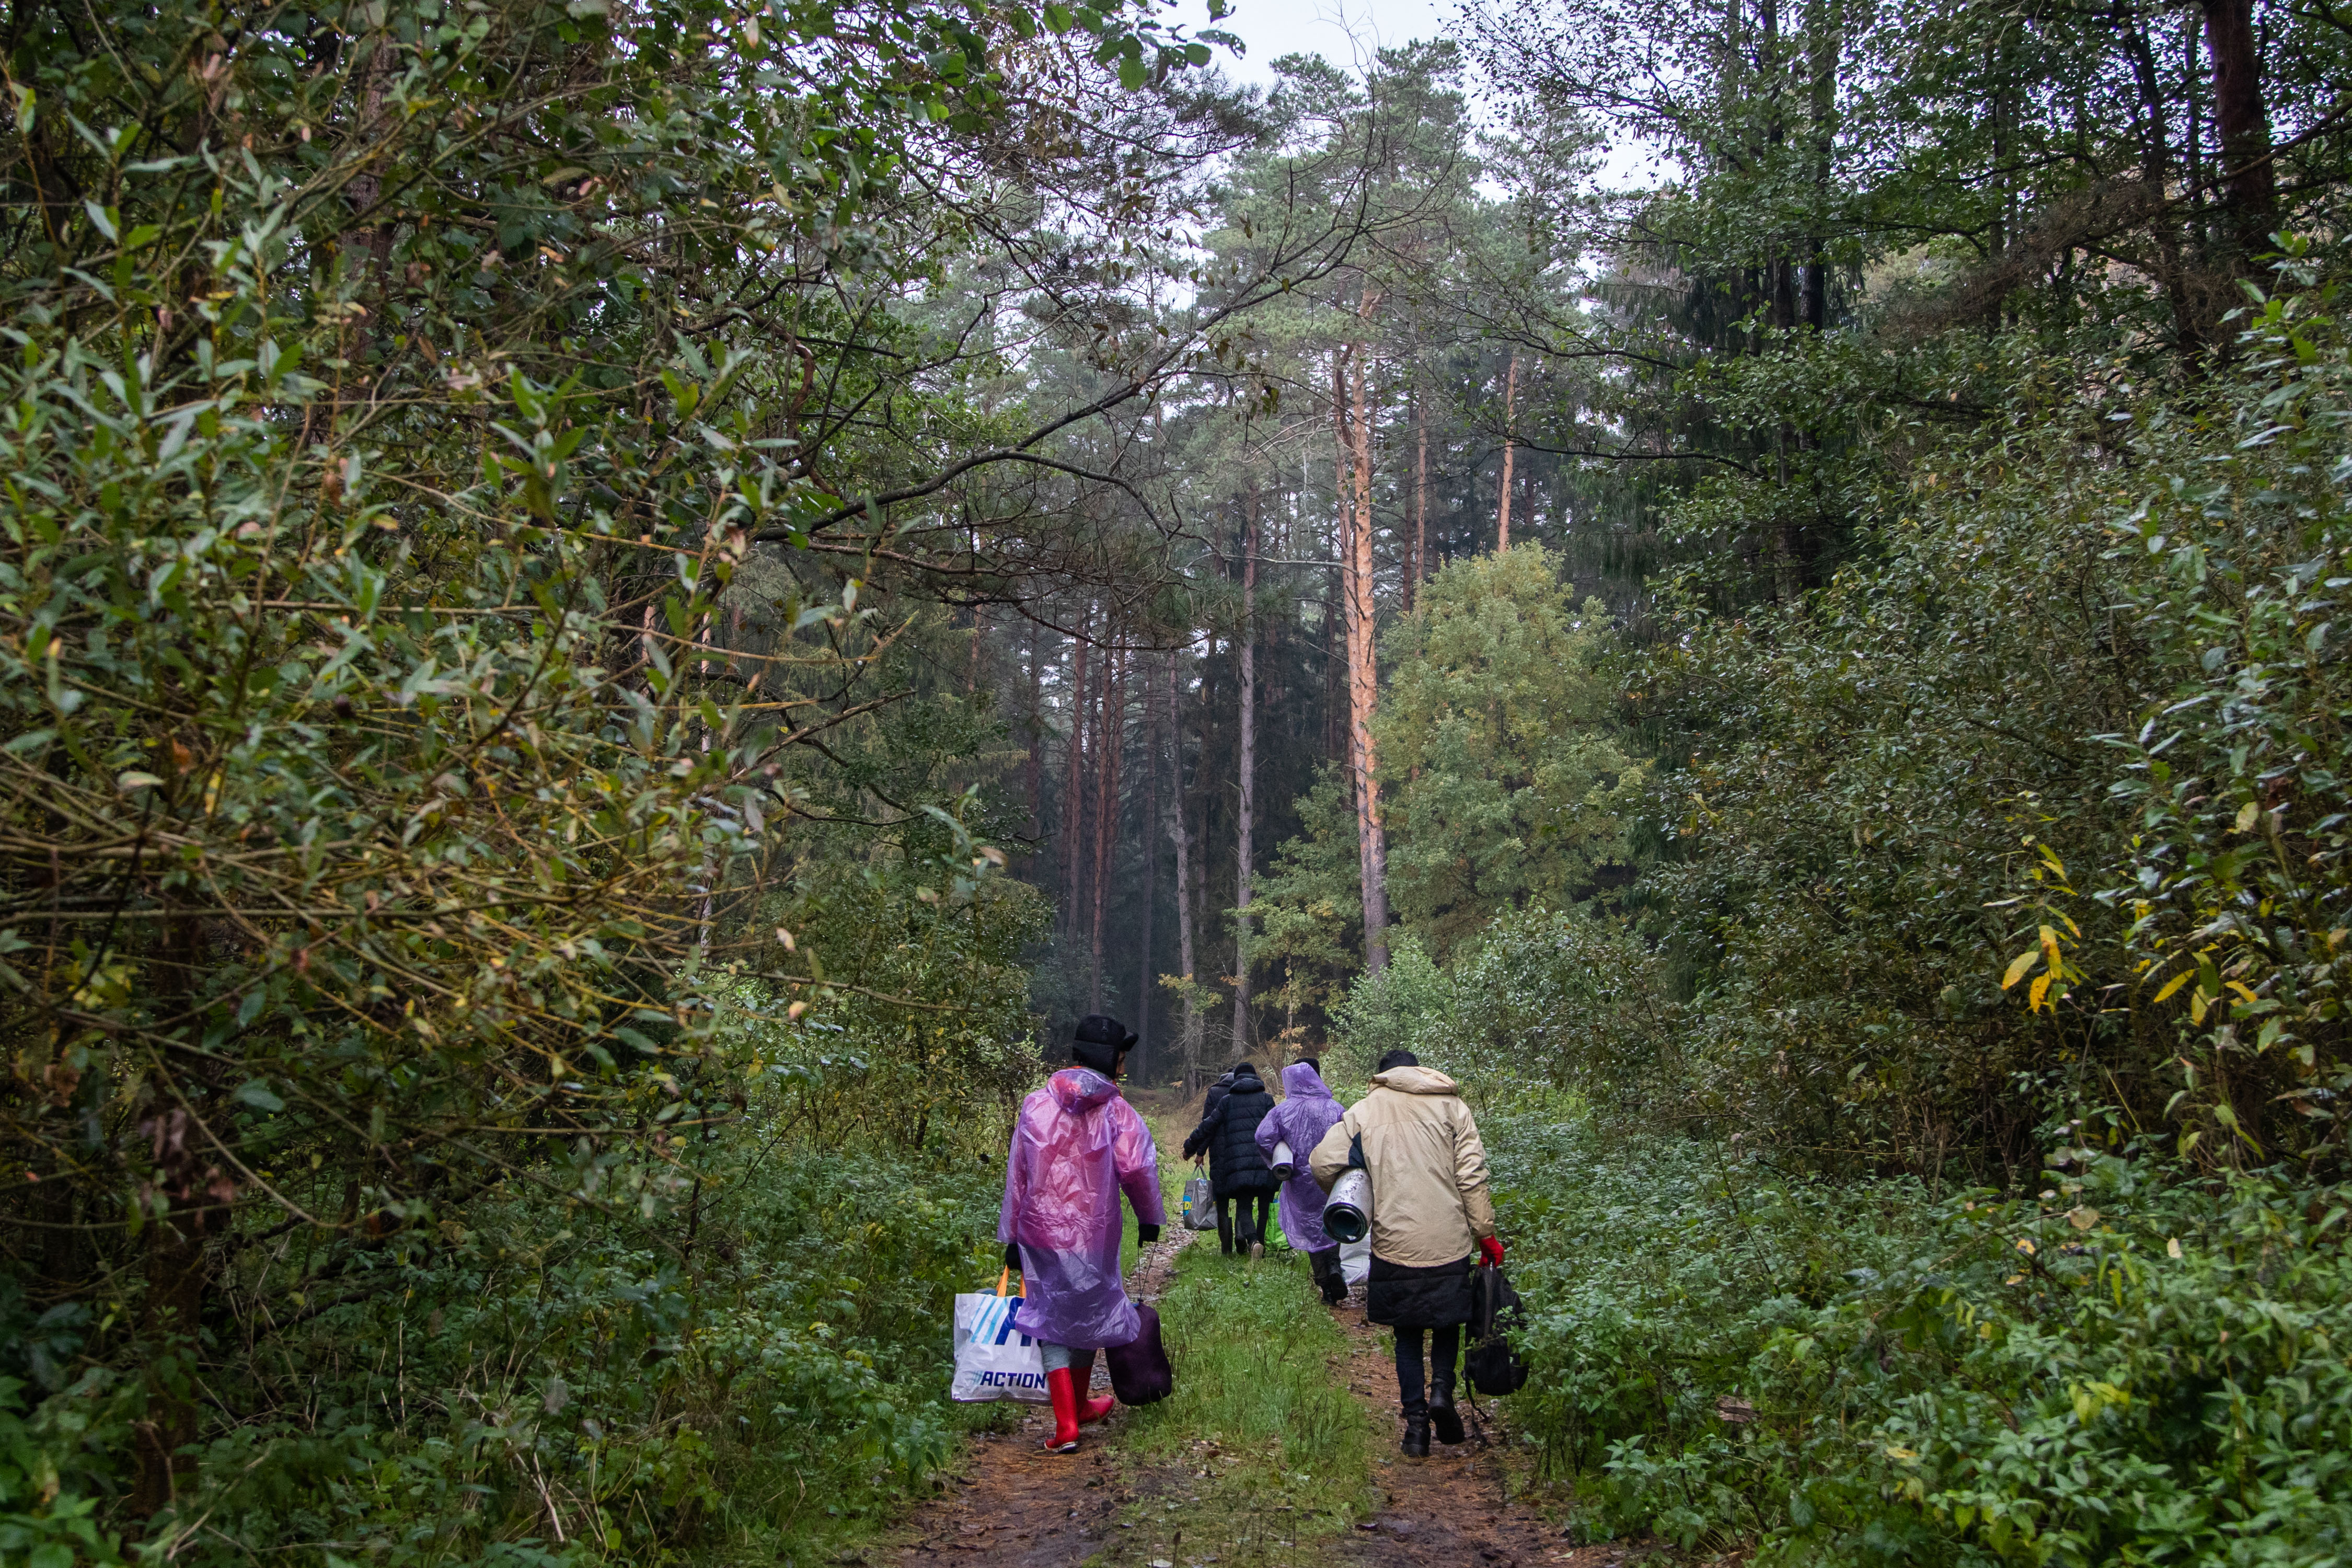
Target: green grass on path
[{"x": 1260, "y": 1456}]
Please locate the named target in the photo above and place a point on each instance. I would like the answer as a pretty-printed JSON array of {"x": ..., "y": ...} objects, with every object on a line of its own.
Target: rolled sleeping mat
[
  {"x": 1348, "y": 1212},
  {"x": 1283, "y": 1164}
]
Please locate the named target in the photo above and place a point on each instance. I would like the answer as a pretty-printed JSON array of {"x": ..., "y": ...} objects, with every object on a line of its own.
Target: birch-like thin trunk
[
  {"x": 1241, "y": 855},
  {"x": 1364, "y": 676},
  {"x": 1510, "y": 395},
  {"x": 1183, "y": 882}
]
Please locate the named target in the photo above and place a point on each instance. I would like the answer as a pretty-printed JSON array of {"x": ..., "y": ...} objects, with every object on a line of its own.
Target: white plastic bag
[
  {"x": 993, "y": 1360},
  {"x": 1355, "y": 1261}
]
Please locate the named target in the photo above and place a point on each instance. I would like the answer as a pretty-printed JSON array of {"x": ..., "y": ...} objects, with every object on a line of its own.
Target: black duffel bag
[
  {"x": 1495, "y": 1368},
  {"x": 1139, "y": 1373}
]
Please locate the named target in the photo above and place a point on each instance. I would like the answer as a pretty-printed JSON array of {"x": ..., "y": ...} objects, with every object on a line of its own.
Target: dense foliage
[{"x": 508, "y": 994}]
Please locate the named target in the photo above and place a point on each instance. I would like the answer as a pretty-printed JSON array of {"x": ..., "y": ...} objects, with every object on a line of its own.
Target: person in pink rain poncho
[
  {"x": 1077, "y": 1145},
  {"x": 1306, "y": 1112}
]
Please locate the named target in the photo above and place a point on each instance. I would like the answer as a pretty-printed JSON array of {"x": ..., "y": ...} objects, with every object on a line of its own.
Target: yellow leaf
[
  {"x": 2246, "y": 814},
  {"x": 2242, "y": 990},
  {"x": 2018, "y": 966},
  {"x": 2172, "y": 1247},
  {"x": 2081, "y": 1218},
  {"x": 2176, "y": 983},
  {"x": 2041, "y": 989}
]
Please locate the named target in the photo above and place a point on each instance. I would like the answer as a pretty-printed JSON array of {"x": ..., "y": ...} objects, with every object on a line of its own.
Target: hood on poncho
[
  {"x": 1415, "y": 1081},
  {"x": 1080, "y": 1088},
  {"x": 1301, "y": 1081}
]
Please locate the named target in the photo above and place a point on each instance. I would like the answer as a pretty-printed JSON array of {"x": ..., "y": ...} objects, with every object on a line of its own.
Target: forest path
[
  {"x": 1010, "y": 1504},
  {"x": 1271, "y": 1384},
  {"x": 1456, "y": 1509}
]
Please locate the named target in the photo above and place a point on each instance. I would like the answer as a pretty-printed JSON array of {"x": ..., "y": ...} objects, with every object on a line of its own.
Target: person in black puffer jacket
[{"x": 1238, "y": 1173}]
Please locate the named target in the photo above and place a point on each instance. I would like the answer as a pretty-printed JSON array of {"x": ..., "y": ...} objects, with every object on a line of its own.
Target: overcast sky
[{"x": 1273, "y": 29}]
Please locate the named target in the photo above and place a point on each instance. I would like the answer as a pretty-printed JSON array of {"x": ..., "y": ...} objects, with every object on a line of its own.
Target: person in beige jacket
[{"x": 1432, "y": 1219}]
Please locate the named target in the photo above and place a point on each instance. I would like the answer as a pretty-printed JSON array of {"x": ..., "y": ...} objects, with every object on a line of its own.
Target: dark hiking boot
[
  {"x": 1416, "y": 1435},
  {"x": 1444, "y": 1421}
]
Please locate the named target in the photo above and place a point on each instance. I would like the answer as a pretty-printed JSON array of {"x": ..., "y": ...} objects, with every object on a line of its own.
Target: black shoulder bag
[{"x": 1495, "y": 1369}]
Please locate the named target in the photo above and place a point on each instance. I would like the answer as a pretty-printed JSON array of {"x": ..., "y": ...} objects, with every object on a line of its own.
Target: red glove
[{"x": 1490, "y": 1247}]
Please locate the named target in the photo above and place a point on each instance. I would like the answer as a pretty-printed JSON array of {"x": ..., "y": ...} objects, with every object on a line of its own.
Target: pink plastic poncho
[
  {"x": 1075, "y": 1145},
  {"x": 1300, "y": 1121}
]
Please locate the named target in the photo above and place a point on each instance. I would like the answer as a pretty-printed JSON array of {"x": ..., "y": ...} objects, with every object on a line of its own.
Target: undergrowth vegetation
[
  {"x": 758, "y": 1372},
  {"x": 1936, "y": 1156}
]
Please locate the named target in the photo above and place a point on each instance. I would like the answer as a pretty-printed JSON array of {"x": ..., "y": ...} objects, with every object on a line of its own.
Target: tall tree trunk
[
  {"x": 1184, "y": 881},
  {"x": 2251, "y": 182},
  {"x": 1248, "y": 771},
  {"x": 1363, "y": 689},
  {"x": 178, "y": 1275},
  {"x": 1033, "y": 768},
  {"x": 1110, "y": 733},
  {"x": 1074, "y": 796},
  {"x": 1413, "y": 578},
  {"x": 1510, "y": 395},
  {"x": 1826, "y": 48},
  {"x": 2156, "y": 168},
  {"x": 1147, "y": 969}
]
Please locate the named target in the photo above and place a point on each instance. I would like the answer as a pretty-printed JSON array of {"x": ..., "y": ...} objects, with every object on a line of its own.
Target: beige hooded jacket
[{"x": 1430, "y": 1202}]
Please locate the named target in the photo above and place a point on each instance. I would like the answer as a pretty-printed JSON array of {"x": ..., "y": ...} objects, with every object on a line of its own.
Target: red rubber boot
[
  {"x": 1082, "y": 1381},
  {"x": 1065, "y": 1393}
]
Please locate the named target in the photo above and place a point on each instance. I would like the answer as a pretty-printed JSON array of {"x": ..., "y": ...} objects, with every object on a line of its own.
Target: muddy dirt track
[{"x": 1010, "y": 1505}]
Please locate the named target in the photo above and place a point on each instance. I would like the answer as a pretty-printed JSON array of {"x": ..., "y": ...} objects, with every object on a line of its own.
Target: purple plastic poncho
[
  {"x": 1300, "y": 1121},
  {"x": 1075, "y": 1145}
]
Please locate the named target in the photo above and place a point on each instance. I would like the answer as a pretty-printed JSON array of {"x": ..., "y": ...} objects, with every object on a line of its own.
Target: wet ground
[{"x": 1012, "y": 1505}]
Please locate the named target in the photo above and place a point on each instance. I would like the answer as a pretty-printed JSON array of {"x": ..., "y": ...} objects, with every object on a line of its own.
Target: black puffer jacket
[
  {"x": 1196, "y": 1141},
  {"x": 1229, "y": 1133}
]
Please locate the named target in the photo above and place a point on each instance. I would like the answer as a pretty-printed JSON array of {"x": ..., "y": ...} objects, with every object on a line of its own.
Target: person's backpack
[
  {"x": 1495, "y": 1368},
  {"x": 1139, "y": 1373}
]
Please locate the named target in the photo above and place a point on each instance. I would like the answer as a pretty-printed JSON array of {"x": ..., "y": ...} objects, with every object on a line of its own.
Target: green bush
[
  {"x": 2127, "y": 1365},
  {"x": 551, "y": 1386}
]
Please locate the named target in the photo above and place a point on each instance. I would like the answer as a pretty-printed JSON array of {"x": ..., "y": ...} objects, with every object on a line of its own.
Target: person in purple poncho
[
  {"x": 1307, "y": 1114},
  {"x": 1077, "y": 1145}
]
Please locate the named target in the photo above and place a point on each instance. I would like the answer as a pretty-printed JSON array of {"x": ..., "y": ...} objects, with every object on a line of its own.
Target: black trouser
[
  {"x": 1444, "y": 1346},
  {"x": 1239, "y": 1229},
  {"x": 1329, "y": 1274}
]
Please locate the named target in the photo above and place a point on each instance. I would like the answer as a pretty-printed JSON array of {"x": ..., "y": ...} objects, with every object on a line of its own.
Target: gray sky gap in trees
[{"x": 1348, "y": 32}]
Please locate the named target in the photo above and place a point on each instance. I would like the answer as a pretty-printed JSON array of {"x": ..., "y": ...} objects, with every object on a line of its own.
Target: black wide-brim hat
[{"x": 1095, "y": 1030}]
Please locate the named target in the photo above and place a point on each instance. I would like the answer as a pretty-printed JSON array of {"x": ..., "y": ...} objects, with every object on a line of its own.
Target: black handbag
[
  {"x": 1139, "y": 1373},
  {"x": 1495, "y": 1368}
]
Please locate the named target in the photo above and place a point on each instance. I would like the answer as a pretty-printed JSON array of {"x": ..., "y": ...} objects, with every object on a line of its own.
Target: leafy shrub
[{"x": 2129, "y": 1366}]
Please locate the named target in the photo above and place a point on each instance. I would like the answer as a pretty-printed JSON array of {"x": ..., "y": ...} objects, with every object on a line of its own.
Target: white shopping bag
[
  {"x": 1355, "y": 1261},
  {"x": 992, "y": 1359}
]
